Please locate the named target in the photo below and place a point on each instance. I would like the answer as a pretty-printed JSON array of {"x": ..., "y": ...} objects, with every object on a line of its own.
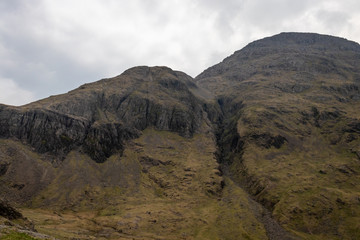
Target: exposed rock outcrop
[
  {"x": 98, "y": 117},
  {"x": 9, "y": 212}
]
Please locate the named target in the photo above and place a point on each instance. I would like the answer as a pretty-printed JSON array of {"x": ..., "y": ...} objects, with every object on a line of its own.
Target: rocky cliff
[{"x": 98, "y": 117}]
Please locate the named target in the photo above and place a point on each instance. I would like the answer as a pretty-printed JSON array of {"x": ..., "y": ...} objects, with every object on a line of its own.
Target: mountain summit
[{"x": 264, "y": 145}]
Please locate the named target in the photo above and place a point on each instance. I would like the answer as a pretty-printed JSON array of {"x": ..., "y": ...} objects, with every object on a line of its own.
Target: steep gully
[{"x": 229, "y": 145}]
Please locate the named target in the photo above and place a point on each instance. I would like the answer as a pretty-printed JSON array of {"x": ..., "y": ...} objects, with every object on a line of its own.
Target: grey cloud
[
  {"x": 10, "y": 6},
  {"x": 50, "y": 47},
  {"x": 39, "y": 68},
  {"x": 270, "y": 15},
  {"x": 333, "y": 20},
  {"x": 225, "y": 13}
]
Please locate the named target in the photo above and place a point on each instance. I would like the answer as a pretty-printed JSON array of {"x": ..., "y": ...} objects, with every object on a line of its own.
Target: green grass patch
[{"x": 17, "y": 236}]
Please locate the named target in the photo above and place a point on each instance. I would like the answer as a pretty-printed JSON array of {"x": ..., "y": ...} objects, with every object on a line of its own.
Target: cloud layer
[
  {"x": 13, "y": 94},
  {"x": 50, "y": 47}
]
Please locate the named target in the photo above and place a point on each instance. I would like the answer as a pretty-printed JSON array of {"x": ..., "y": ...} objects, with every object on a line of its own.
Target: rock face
[
  {"x": 98, "y": 117},
  {"x": 9, "y": 212},
  {"x": 283, "y": 113}
]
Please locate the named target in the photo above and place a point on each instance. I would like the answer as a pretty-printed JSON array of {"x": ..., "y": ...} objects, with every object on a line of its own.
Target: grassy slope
[
  {"x": 312, "y": 179},
  {"x": 163, "y": 187},
  {"x": 16, "y": 236}
]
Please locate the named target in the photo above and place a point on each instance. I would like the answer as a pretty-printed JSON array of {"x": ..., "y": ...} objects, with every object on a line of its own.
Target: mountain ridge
[
  {"x": 279, "y": 118},
  {"x": 102, "y": 106}
]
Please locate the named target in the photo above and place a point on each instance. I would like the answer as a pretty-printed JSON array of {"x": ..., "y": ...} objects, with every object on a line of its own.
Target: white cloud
[
  {"x": 12, "y": 94},
  {"x": 50, "y": 47}
]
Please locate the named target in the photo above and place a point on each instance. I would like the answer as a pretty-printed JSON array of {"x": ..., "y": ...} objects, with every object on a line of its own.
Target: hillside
[
  {"x": 290, "y": 131},
  {"x": 131, "y": 156},
  {"x": 264, "y": 145}
]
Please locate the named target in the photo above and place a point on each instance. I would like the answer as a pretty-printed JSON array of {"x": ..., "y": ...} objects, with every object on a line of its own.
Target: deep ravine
[{"x": 229, "y": 147}]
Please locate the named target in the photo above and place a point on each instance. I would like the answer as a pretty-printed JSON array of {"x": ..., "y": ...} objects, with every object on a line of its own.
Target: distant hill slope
[{"x": 156, "y": 154}]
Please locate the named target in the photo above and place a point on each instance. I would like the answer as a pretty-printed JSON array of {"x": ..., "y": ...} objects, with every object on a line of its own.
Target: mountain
[
  {"x": 290, "y": 131},
  {"x": 101, "y": 115},
  {"x": 264, "y": 145}
]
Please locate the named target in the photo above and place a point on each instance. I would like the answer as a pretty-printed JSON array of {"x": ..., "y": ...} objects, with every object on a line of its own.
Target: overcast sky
[{"x": 49, "y": 47}]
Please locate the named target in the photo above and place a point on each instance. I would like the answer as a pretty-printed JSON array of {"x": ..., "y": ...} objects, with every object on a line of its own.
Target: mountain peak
[
  {"x": 147, "y": 70},
  {"x": 100, "y": 116},
  {"x": 288, "y": 51},
  {"x": 310, "y": 40}
]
